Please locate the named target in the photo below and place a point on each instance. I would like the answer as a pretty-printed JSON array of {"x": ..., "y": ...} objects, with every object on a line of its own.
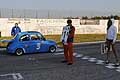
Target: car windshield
[
  {"x": 36, "y": 36},
  {"x": 41, "y": 36}
]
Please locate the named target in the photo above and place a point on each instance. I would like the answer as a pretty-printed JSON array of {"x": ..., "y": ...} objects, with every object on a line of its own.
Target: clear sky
[{"x": 78, "y": 5}]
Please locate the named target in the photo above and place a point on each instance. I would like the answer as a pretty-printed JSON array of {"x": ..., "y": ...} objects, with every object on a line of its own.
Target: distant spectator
[{"x": 15, "y": 30}]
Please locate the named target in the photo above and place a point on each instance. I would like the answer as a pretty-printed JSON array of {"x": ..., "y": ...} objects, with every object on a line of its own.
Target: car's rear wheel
[
  {"x": 19, "y": 52},
  {"x": 52, "y": 49}
]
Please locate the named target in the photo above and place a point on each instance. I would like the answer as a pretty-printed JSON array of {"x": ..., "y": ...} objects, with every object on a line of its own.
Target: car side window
[
  {"x": 25, "y": 38},
  {"x": 34, "y": 37},
  {"x": 41, "y": 36}
]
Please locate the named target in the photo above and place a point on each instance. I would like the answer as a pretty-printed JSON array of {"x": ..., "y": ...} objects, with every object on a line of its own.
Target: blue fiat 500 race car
[{"x": 30, "y": 42}]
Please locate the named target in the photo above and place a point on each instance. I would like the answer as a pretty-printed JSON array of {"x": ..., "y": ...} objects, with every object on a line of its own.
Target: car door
[
  {"x": 42, "y": 45},
  {"x": 35, "y": 43},
  {"x": 25, "y": 43}
]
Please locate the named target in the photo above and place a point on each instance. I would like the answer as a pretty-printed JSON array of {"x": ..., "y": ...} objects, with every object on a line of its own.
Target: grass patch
[
  {"x": 4, "y": 38},
  {"x": 79, "y": 37}
]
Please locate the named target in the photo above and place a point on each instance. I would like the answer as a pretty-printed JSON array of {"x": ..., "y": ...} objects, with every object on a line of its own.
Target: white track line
[
  {"x": 16, "y": 76},
  {"x": 2, "y": 49}
]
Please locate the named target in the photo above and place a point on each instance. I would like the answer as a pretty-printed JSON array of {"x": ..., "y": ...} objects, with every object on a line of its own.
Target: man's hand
[
  {"x": 113, "y": 42},
  {"x": 65, "y": 43}
]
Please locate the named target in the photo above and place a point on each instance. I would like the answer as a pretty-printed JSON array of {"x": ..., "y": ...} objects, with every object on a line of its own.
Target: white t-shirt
[
  {"x": 65, "y": 34},
  {"x": 112, "y": 33}
]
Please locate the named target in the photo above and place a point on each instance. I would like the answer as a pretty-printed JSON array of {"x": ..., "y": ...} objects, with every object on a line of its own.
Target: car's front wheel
[
  {"x": 19, "y": 52},
  {"x": 52, "y": 49}
]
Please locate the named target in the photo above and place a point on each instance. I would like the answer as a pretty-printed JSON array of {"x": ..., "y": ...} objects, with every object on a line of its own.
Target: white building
[{"x": 53, "y": 26}]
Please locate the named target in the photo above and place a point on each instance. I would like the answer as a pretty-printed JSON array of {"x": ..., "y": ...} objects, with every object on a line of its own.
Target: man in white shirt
[
  {"x": 65, "y": 34},
  {"x": 111, "y": 39},
  {"x": 67, "y": 39}
]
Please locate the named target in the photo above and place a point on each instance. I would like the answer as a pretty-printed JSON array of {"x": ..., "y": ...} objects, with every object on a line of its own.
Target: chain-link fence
[
  {"x": 30, "y": 13},
  {"x": 119, "y": 26}
]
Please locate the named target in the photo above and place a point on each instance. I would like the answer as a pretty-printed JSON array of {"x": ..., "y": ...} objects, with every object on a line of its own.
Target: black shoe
[
  {"x": 64, "y": 61},
  {"x": 69, "y": 63},
  {"x": 117, "y": 64},
  {"x": 107, "y": 62}
]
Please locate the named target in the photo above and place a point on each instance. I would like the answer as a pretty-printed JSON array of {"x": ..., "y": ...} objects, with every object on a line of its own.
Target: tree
[{"x": 84, "y": 17}]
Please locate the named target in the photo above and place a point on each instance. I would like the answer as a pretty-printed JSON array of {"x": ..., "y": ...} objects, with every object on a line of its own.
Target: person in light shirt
[{"x": 111, "y": 39}]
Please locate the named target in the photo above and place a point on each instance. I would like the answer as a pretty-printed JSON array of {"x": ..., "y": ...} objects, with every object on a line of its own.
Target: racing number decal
[{"x": 38, "y": 46}]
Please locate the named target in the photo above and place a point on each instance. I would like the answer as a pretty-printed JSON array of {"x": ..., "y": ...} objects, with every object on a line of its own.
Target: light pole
[{"x": 12, "y": 13}]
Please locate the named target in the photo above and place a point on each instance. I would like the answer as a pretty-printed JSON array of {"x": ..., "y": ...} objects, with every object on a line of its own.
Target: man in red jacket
[{"x": 67, "y": 40}]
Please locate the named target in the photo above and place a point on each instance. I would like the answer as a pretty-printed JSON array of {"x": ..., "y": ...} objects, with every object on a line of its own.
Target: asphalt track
[{"x": 89, "y": 65}]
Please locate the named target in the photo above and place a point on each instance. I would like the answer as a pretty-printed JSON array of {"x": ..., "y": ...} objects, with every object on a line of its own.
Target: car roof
[
  {"x": 32, "y": 32},
  {"x": 27, "y": 32}
]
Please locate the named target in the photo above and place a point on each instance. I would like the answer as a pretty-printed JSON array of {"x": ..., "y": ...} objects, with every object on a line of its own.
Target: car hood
[{"x": 50, "y": 41}]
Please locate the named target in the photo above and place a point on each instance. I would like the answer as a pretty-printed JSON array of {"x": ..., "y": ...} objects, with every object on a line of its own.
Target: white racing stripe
[
  {"x": 74, "y": 54},
  {"x": 110, "y": 64},
  {"x": 58, "y": 49},
  {"x": 92, "y": 59},
  {"x": 118, "y": 67},
  {"x": 2, "y": 49},
  {"x": 118, "y": 70},
  {"x": 110, "y": 67},
  {"x": 58, "y": 53},
  {"x": 79, "y": 55},
  {"x": 31, "y": 59},
  {"x": 15, "y": 76},
  {"x": 85, "y": 57},
  {"x": 100, "y": 62}
]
